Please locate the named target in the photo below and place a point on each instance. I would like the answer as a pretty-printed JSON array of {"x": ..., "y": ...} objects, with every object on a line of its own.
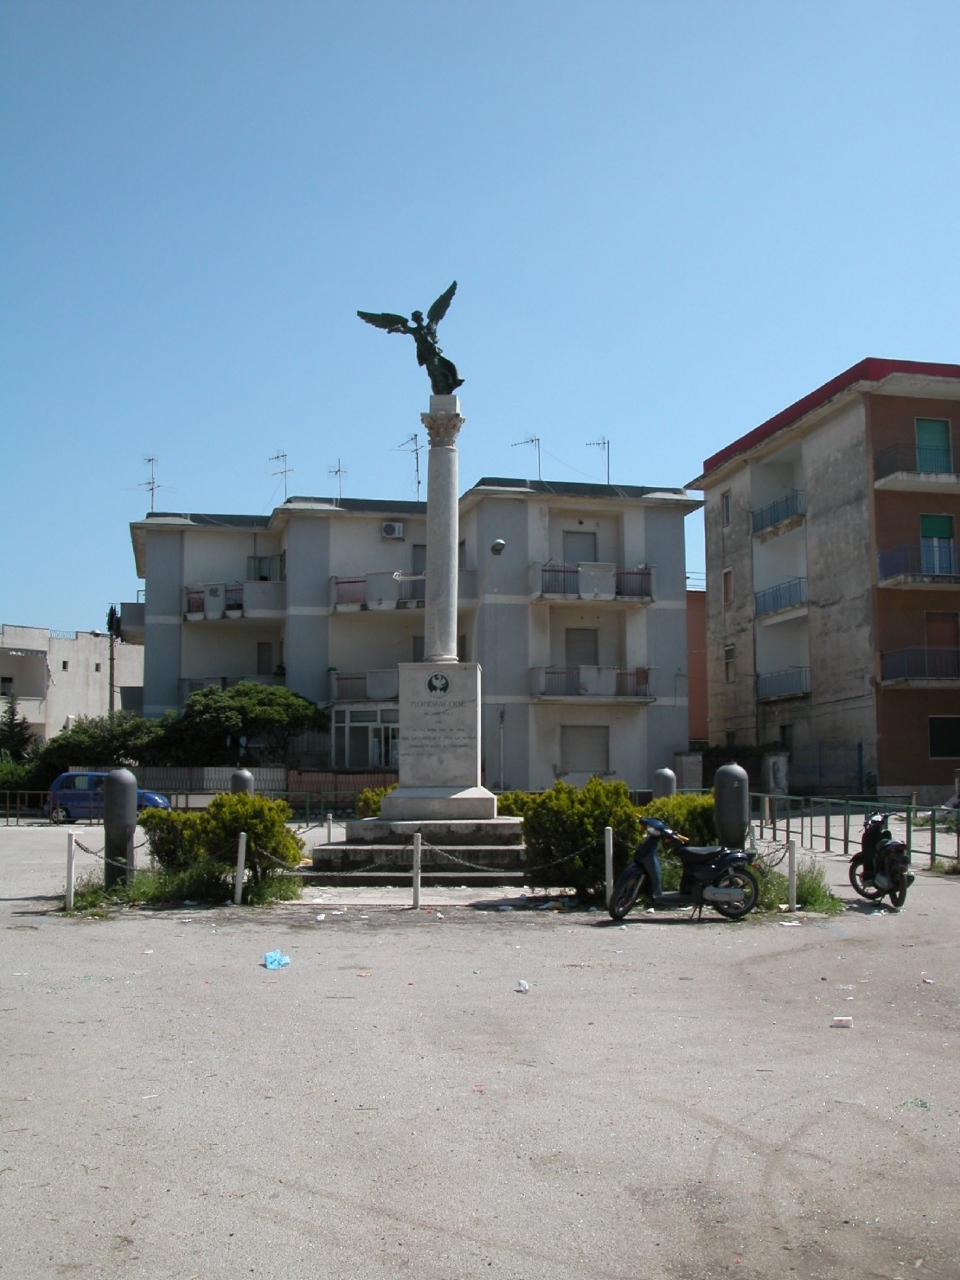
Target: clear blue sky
[{"x": 668, "y": 221}]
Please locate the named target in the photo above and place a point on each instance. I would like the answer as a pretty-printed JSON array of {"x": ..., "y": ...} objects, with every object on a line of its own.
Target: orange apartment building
[{"x": 833, "y": 583}]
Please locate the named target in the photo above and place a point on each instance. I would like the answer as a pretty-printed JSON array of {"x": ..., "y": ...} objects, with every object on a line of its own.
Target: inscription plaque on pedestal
[{"x": 439, "y": 725}]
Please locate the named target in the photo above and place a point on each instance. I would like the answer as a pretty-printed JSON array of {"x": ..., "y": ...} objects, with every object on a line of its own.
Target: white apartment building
[
  {"x": 579, "y": 625},
  {"x": 57, "y": 676}
]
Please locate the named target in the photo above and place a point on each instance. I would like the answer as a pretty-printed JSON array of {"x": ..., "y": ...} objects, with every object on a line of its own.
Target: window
[
  {"x": 365, "y": 738},
  {"x": 933, "y": 445},
  {"x": 936, "y": 545},
  {"x": 96, "y": 666},
  {"x": 729, "y": 663},
  {"x": 64, "y": 665},
  {"x": 579, "y": 548},
  {"x": 584, "y": 748},
  {"x": 730, "y": 738},
  {"x": 726, "y": 507},
  {"x": 786, "y": 737},
  {"x": 944, "y": 737},
  {"x": 264, "y": 658},
  {"x": 728, "y": 586},
  {"x": 581, "y": 646},
  {"x": 266, "y": 568},
  {"x": 6, "y": 686}
]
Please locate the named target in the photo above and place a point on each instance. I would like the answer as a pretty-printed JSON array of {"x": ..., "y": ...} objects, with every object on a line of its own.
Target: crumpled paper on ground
[{"x": 275, "y": 960}]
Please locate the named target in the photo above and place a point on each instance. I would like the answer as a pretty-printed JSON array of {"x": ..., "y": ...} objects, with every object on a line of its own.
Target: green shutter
[
  {"x": 936, "y": 526},
  {"x": 933, "y": 444}
]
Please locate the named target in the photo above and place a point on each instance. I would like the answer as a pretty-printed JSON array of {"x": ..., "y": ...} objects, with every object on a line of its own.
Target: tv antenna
[
  {"x": 151, "y": 484},
  {"x": 414, "y": 446},
  {"x": 339, "y": 472},
  {"x": 531, "y": 440},
  {"x": 604, "y": 444},
  {"x": 284, "y": 471}
]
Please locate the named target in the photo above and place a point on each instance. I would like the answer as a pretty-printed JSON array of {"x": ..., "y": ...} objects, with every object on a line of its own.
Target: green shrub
[
  {"x": 513, "y": 804},
  {"x": 688, "y": 813},
  {"x": 563, "y": 833},
  {"x": 813, "y": 892},
  {"x": 197, "y": 852},
  {"x": 368, "y": 801}
]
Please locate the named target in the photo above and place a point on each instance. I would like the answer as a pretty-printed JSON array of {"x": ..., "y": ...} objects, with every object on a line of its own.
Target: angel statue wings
[{"x": 444, "y": 378}]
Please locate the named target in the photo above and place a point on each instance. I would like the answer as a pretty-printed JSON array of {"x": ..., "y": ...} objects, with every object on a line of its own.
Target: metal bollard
[
  {"x": 119, "y": 824},
  {"x": 416, "y": 871},
  {"x": 608, "y": 860}
]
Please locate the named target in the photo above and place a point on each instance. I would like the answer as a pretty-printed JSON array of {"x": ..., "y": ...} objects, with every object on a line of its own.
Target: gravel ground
[{"x": 668, "y": 1099}]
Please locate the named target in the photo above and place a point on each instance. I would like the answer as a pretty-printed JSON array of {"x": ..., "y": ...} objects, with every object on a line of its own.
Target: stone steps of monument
[{"x": 492, "y": 859}]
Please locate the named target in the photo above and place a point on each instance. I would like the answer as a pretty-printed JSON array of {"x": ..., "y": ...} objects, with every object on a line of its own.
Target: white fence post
[
  {"x": 329, "y": 828},
  {"x": 416, "y": 870},
  {"x": 792, "y": 876},
  {"x": 71, "y": 857},
  {"x": 608, "y": 860},
  {"x": 241, "y": 859}
]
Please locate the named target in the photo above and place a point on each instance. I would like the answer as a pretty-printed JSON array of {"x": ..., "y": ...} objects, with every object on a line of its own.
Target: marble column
[{"x": 443, "y": 424}]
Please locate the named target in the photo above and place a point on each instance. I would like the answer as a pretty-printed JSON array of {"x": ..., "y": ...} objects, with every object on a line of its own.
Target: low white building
[
  {"x": 56, "y": 676},
  {"x": 579, "y": 625}
]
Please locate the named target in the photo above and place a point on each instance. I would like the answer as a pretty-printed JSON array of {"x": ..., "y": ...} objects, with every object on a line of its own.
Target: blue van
[{"x": 73, "y": 796}]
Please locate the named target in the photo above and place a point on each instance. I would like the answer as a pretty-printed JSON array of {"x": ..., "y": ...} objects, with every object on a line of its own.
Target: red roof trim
[{"x": 869, "y": 370}]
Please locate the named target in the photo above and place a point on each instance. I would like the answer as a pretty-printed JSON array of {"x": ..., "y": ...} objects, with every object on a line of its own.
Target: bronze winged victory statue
[{"x": 444, "y": 378}]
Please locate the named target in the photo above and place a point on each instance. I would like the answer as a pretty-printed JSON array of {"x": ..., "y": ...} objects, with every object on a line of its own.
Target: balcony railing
[
  {"x": 790, "y": 505},
  {"x": 938, "y": 563},
  {"x": 392, "y": 590},
  {"x": 933, "y": 460},
  {"x": 920, "y": 663},
  {"x": 785, "y": 595},
  {"x": 192, "y": 684},
  {"x": 589, "y": 681},
  {"x": 792, "y": 683},
  {"x": 594, "y": 581},
  {"x": 365, "y": 686},
  {"x": 214, "y": 600}
]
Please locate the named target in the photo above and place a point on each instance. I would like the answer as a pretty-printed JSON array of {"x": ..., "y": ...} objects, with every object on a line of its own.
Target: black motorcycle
[
  {"x": 714, "y": 876},
  {"x": 882, "y": 867}
]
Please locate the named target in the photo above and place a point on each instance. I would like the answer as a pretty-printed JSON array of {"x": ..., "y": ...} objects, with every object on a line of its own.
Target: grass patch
[
  {"x": 200, "y": 883},
  {"x": 813, "y": 892}
]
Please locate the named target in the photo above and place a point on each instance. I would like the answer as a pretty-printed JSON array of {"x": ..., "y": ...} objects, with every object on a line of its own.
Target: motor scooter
[
  {"x": 713, "y": 876},
  {"x": 882, "y": 867}
]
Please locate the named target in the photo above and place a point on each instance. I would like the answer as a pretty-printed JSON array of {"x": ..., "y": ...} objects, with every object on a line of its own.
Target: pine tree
[{"x": 16, "y": 735}]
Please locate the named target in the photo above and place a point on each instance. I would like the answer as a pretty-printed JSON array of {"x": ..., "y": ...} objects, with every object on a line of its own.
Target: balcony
[
  {"x": 192, "y": 684},
  {"x": 215, "y": 601},
  {"x": 34, "y": 709},
  {"x": 936, "y": 565},
  {"x": 920, "y": 665},
  {"x": 391, "y": 590},
  {"x": 133, "y": 621},
  {"x": 591, "y": 581},
  {"x": 784, "y": 597},
  {"x": 365, "y": 686},
  {"x": 912, "y": 469},
  {"x": 591, "y": 682},
  {"x": 794, "y": 682},
  {"x": 781, "y": 516}
]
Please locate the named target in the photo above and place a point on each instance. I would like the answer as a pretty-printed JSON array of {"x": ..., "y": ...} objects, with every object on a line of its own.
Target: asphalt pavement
[{"x": 666, "y": 1098}]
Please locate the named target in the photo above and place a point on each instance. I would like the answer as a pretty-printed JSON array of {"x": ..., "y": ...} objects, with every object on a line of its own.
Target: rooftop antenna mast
[
  {"x": 531, "y": 440},
  {"x": 414, "y": 441},
  {"x": 604, "y": 444},
  {"x": 151, "y": 484},
  {"x": 284, "y": 471},
  {"x": 339, "y": 472}
]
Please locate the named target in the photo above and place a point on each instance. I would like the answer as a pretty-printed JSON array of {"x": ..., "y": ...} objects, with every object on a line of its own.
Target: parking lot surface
[{"x": 666, "y": 1099}]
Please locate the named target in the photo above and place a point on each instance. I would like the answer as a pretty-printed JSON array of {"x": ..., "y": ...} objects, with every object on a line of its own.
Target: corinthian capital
[{"x": 442, "y": 428}]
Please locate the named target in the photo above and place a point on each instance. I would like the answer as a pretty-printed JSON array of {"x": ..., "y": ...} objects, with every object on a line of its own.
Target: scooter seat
[{"x": 701, "y": 853}]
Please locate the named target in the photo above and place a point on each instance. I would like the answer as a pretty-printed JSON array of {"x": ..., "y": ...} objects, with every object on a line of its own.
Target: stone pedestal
[{"x": 439, "y": 748}]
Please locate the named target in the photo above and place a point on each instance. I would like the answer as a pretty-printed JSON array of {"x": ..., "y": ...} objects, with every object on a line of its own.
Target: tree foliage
[
  {"x": 16, "y": 736},
  {"x": 247, "y": 724}
]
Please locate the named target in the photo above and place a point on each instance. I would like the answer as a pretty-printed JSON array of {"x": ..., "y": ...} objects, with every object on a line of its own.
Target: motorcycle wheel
[
  {"x": 751, "y": 892},
  {"x": 865, "y": 890},
  {"x": 625, "y": 892},
  {"x": 898, "y": 894}
]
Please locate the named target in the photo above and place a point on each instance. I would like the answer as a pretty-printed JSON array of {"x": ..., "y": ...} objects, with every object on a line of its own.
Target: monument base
[{"x": 426, "y": 804}]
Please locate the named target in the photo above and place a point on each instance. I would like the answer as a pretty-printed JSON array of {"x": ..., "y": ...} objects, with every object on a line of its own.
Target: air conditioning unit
[{"x": 391, "y": 529}]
